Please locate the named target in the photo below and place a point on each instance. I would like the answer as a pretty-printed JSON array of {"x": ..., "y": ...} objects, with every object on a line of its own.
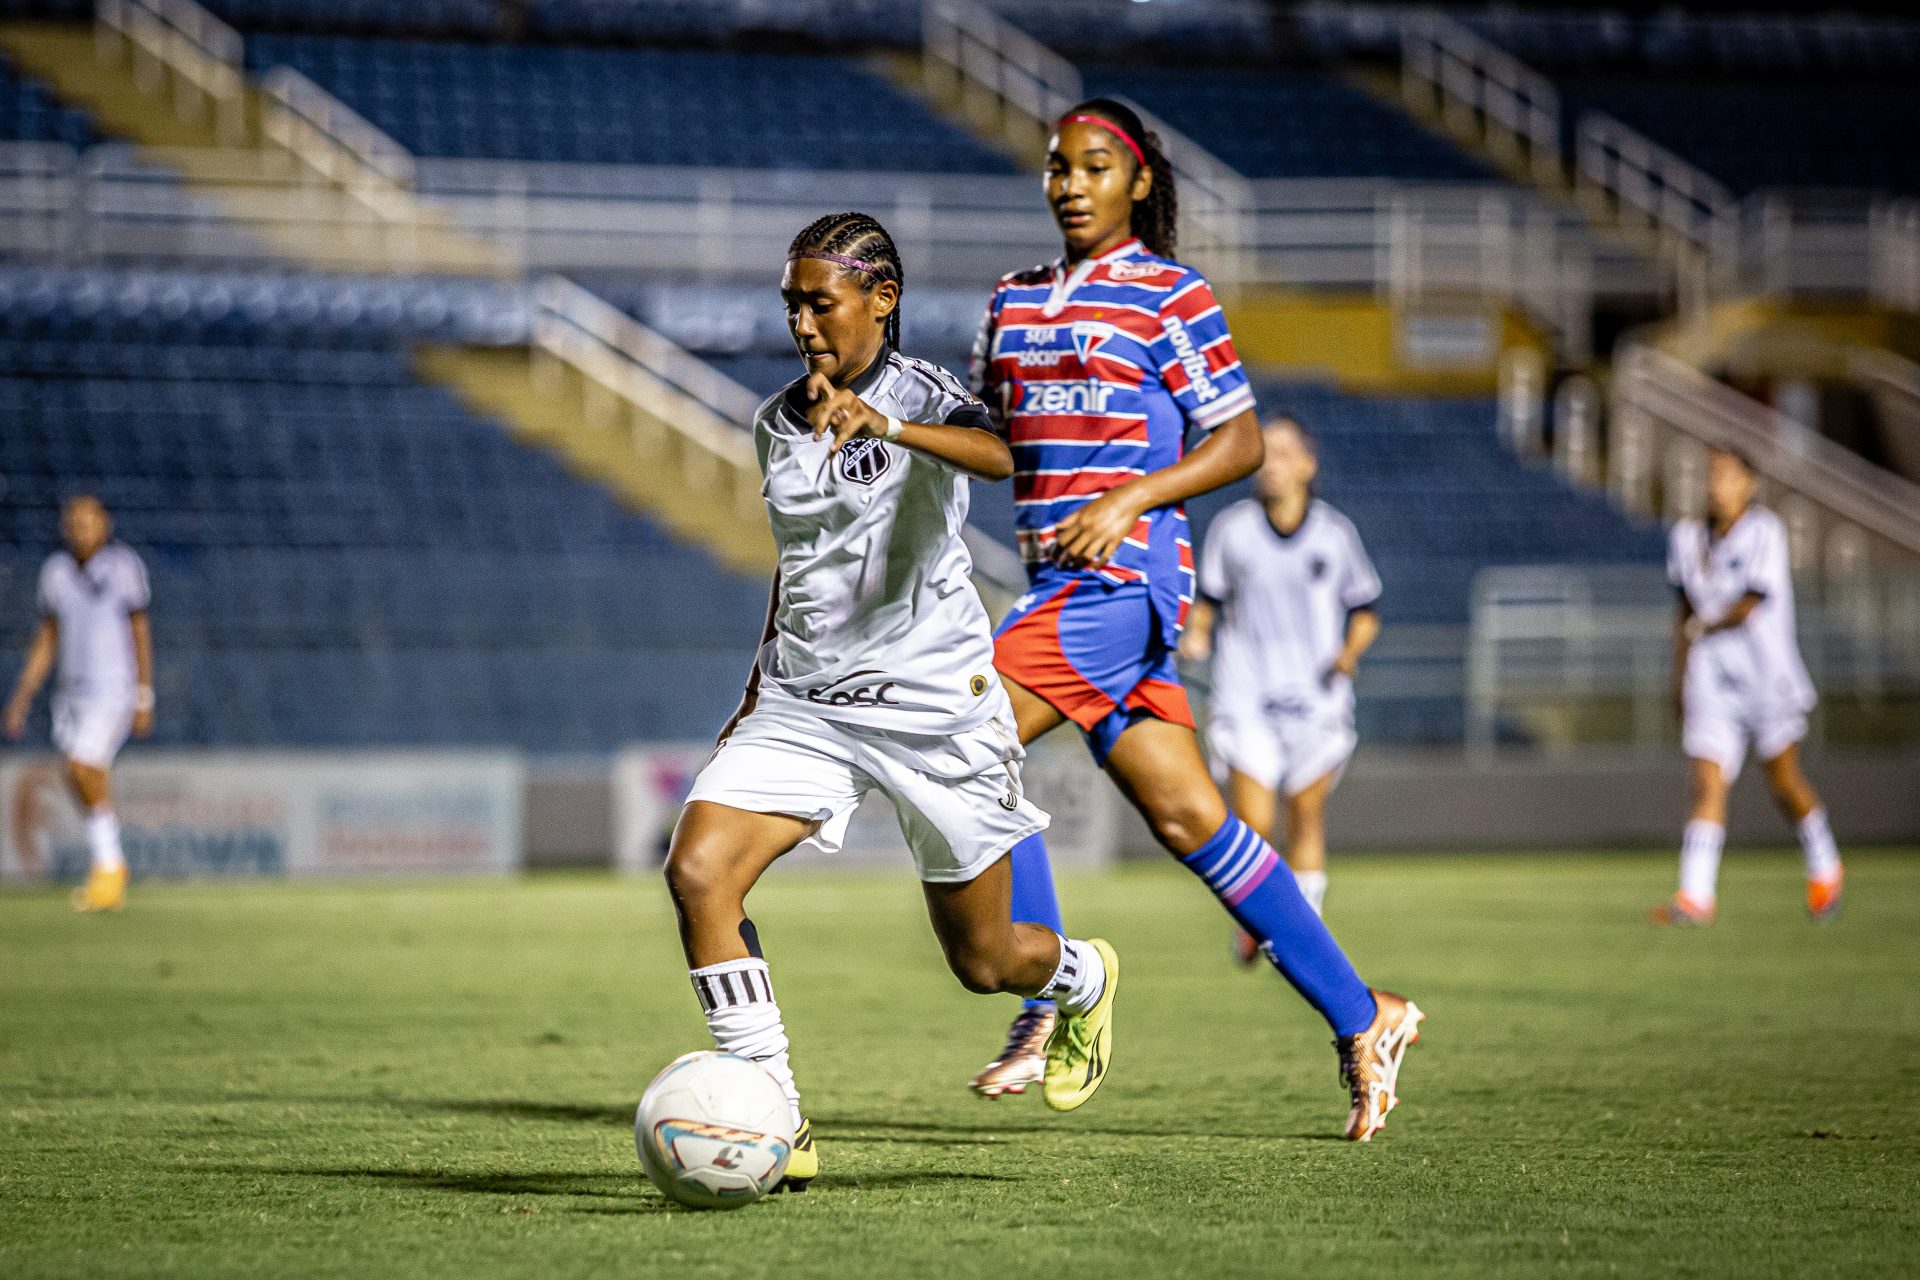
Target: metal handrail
[
  {"x": 205, "y": 56},
  {"x": 332, "y": 137},
  {"x": 1651, "y": 387},
  {"x": 1481, "y": 91}
]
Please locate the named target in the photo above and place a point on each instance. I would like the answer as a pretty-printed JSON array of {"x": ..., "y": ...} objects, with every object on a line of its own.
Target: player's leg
[
  {"x": 775, "y": 784},
  {"x": 1307, "y": 838},
  {"x": 90, "y": 735},
  {"x": 957, "y": 823},
  {"x": 1700, "y": 846},
  {"x": 1157, "y": 764},
  {"x": 1801, "y": 805},
  {"x": 1257, "y": 804}
]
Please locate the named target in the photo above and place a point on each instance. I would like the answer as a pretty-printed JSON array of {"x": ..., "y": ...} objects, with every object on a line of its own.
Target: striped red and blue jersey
[{"x": 1095, "y": 375}]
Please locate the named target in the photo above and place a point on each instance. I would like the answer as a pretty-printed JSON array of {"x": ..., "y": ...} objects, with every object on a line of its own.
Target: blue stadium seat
[
  {"x": 29, "y": 113},
  {"x": 631, "y": 106},
  {"x": 1290, "y": 124}
]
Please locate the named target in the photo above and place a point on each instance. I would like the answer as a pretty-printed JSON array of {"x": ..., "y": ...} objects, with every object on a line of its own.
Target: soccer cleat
[
  {"x": 803, "y": 1166},
  {"x": 1246, "y": 951},
  {"x": 1823, "y": 896},
  {"x": 1024, "y": 1060},
  {"x": 1081, "y": 1046},
  {"x": 103, "y": 891},
  {"x": 1370, "y": 1062},
  {"x": 1684, "y": 911}
]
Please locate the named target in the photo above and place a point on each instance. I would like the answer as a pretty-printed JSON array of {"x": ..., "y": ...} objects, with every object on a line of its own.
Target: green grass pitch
[{"x": 411, "y": 1080}]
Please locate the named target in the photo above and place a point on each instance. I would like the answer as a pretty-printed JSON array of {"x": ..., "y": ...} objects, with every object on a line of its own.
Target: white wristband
[
  {"x": 143, "y": 698},
  {"x": 894, "y": 428}
]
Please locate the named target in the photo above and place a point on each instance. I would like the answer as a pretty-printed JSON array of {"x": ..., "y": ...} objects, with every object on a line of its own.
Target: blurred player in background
[
  {"x": 1286, "y": 610},
  {"x": 1097, "y": 365},
  {"x": 875, "y": 674},
  {"x": 1739, "y": 683},
  {"x": 93, "y": 619}
]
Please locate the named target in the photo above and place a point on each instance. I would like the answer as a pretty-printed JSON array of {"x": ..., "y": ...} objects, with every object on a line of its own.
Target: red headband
[
  {"x": 841, "y": 259},
  {"x": 1113, "y": 129}
]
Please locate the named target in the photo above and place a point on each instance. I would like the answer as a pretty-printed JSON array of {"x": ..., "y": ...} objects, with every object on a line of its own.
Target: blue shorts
[{"x": 1096, "y": 651}]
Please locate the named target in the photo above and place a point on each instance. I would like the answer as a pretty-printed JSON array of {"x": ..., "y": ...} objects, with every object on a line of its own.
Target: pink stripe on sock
[{"x": 1254, "y": 878}]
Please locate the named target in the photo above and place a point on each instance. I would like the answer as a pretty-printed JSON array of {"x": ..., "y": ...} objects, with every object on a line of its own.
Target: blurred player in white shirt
[
  {"x": 93, "y": 619},
  {"x": 1739, "y": 683},
  {"x": 1286, "y": 611}
]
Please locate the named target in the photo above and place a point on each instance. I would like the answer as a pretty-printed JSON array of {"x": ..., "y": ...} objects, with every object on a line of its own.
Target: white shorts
[
  {"x": 1280, "y": 751},
  {"x": 958, "y": 798},
  {"x": 1718, "y": 725},
  {"x": 91, "y": 730}
]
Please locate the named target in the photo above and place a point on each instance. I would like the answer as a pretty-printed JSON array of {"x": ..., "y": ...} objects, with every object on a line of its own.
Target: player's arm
[
  {"x": 39, "y": 665},
  {"x": 973, "y": 449},
  {"x": 1233, "y": 451},
  {"x": 750, "y": 696},
  {"x": 1196, "y": 642},
  {"x": 143, "y": 667},
  {"x": 1363, "y": 628},
  {"x": 1683, "y": 620},
  {"x": 1734, "y": 617}
]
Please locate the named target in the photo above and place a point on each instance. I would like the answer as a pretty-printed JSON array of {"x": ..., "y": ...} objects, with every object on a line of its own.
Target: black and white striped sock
[
  {"x": 737, "y": 997},
  {"x": 1078, "y": 981}
]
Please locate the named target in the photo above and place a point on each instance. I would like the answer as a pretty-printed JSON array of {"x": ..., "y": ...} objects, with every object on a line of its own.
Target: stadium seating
[
  {"x": 28, "y": 113},
  {"x": 631, "y": 106},
  {"x": 342, "y": 555},
  {"x": 1752, "y": 134},
  {"x": 1289, "y": 124}
]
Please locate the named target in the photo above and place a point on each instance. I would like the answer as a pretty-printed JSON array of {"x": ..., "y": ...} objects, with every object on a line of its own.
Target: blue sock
[
  {"x": 1033, "y": 896},
  {"x": 1240, "y": 868}
]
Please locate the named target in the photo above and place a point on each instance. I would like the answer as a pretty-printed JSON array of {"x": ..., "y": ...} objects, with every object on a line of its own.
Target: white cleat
[{"x": 1024, "y": 1060}]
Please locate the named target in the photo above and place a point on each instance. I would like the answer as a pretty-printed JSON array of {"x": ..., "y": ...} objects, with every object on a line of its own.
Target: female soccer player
[
  {"x": 1738, "y": 680},
  {"x": 1285, "y": 611},
  {"x": 1096, "y": 366},
  {"x": 875, "y": 674}
]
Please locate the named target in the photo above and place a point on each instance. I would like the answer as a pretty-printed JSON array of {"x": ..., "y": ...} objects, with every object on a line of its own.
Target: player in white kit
[
  {"x": 93, "y": 620},
  {"x": 1739, "y": 683},
  {"x": 875, "y": 675},
  {"x": 1286, "y": 611}
]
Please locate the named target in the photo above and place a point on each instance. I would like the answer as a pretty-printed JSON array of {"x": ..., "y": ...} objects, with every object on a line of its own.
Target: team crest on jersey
[
  {"x": 977, "y": 685},
  {"x": 864, "y": 460},
  {"x": 1317, "y": 568}
]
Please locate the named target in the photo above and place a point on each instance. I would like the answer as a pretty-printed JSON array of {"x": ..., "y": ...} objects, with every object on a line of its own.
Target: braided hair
[
  {"x": 858, "y": 236},
  {"x": 1156, "y": 218}
]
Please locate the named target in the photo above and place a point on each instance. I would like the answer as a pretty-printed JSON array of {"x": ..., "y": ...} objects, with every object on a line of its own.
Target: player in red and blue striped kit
[{"x": 1096, "y": 367}]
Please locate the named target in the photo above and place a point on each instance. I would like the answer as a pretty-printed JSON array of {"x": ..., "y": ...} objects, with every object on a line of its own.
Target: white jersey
[
  {"x": 1283, "y": 601},
  {"x": 1758, "y": 662},
  {"x": 90, "y": 604},
  {"x": 877, "y": 622}
]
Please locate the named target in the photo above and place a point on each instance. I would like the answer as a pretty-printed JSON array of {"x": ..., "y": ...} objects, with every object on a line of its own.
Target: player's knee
[
  {"x": 1184, "y": 823},
  {"x": 695, "y": 870},
  {"x": 979, "y": 968}
]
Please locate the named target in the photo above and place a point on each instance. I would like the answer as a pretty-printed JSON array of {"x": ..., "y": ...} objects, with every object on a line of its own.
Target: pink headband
[
  {"x": 1113, "y": 129},
  {"x": 838, "y": 259}
]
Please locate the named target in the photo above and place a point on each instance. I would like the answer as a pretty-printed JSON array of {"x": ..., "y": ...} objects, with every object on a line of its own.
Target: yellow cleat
[
  {"x": 1081, "y": 1047},
  {"x": 103, "y": 891},
  {"x": 803, "y": 1166}
]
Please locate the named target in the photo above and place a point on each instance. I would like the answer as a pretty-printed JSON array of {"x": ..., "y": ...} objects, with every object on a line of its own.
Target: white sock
[
  {"x": 1313, "y": 887},
  {"x": 1078, "y": 981},
  {"x": 737, "y": 997},
  {"x": 1700, "y": 860},
  {"x": 103, "y": 839},
  {"x": 1816, "y": 842}
]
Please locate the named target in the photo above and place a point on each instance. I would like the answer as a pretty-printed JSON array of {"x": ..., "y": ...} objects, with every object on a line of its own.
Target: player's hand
[
  {"x": 839, "y": 412},
  {"x": 16, "y": 725},
  {"x": 1088, "y": 538},
  {"x": 142, "y": 723},
  {"x": 1345, "y": 665},
  {"x": 1196, "y": 645}
]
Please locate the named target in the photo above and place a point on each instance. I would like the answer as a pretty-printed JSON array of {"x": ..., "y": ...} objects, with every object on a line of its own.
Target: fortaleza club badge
[{"x": 864, "y": 460}]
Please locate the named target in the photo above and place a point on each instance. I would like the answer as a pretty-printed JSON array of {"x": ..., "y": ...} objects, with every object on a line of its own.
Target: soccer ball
[{"x": 714, "y": 1131}]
